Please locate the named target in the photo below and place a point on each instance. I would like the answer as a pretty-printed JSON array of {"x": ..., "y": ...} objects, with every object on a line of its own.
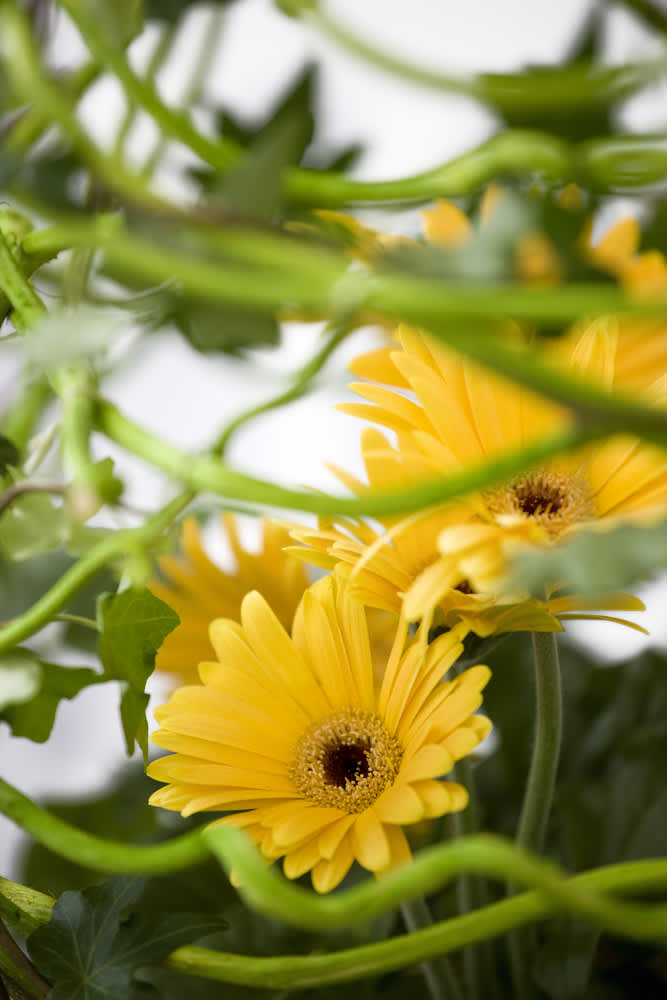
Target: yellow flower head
[
  {"x": 457, "y": 414},
  {"x": 200, "y": 591},
  {"x": 317, "y": 761}
]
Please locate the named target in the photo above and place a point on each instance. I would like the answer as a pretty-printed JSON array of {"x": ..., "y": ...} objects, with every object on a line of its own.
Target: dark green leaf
[
  {"x": 88, "y": 952},
  {"x": 171, "y": 11},
  {"x": 597, "y": 561},
  {"x": 254, "y": 185},
  {"x": 225, "y": 328},
  {"x": 33, "y": 717},
  {"x": 133, "y": 625},
  {"x": 9, "y": 454}
]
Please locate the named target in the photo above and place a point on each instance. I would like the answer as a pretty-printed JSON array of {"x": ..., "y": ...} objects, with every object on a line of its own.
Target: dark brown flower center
[
  {"x": 552, "y": 499},
  {"x": 346, "y": 760}
]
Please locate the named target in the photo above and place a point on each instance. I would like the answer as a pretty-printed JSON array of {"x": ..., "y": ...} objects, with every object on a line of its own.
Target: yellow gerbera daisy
[
  {"x": 460, "y": 415},
  {"x": 199, "y": 591},
  {"x": 318, "y": 763}
]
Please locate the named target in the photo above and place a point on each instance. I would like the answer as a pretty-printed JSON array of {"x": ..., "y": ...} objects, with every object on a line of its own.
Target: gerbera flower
[
  {"x": 199, "y": 591},
  {"x": 294, "y": 736},
  {"x": 460, "y": 415}
]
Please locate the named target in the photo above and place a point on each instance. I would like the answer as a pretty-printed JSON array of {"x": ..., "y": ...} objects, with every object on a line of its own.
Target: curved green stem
[
  {"x": 74, "y": 578},
  {"x": 300, "y": 384},
  {"x": 95, "y": 852},
  {"x": 18, "y": 422},
  {"x": 219, "y": 154},
  {"x": 574, "y": 87},
  {"x": 546, "y": 752},
  {"x": 207, "y": 472}
]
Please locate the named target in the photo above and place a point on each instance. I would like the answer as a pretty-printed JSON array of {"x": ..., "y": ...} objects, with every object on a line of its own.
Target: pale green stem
[
  {"x": 301, "y": 383},
  {"x": 538, "y": 796},
  {"x": 201, "y": 68},
  {"x": 438, "y": 973},
  {"x": 573, "y": 87},
  {"x": 209, "y": 473},
  {"x": 73, "y": 579}
]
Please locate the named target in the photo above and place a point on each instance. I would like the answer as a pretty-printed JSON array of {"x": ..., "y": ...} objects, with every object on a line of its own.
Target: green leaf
[
  {"x": 34, "y": 716},
  {"x": 253, "y": 186},
  {"x": 89, "y": 952},
  {"x": 20, "y": 676},
  {"x": 596, "y": 561},
  {"x": 9, "y": 455},
  {"x": 225, "y": 328},
  {"x": 31, "y": 526},
  {"x": 133, "y": 625}
]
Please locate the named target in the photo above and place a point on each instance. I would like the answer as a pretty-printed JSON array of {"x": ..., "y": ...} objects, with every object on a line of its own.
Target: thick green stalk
[{"x": 17, "y": 971}]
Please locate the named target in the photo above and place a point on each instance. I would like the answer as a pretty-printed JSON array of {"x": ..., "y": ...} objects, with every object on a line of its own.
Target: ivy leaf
[
  {"x": 32, "y": 716},
  {"x": 596, "y": 561},
  {"x": 253, "y": 186},
  {"x": 31, "y": 526},
  {"x": 89, "y": 952},
  {"x": 133, "y": 625}
]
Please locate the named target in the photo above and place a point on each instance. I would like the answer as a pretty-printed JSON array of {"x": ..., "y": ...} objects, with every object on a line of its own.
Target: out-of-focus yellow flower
[
  {"x": 318, "y": 763},
  {"x": 199, "y": 591}
]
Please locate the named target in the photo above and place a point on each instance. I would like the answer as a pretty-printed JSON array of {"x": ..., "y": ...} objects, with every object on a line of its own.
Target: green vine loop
[
  {"x": 95, "y": 852},
  {"x": 205, "y": 472}
]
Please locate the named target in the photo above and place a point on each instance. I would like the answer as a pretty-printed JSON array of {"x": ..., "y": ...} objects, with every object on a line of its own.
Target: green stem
[
  {"x": 546, "y": 751},
  {"x": 17, "y": 970},
  {"x": 74, "y": 578},
  {"x": 26, "y": 305},
  {"x": 585, "y": 895},
  {"x": 539, "y": 792},
  {"x": 458, "y": 314},
  {"x": 479, "y": 963},
  {"x": 77, "y": 620},
  {"x": 647, "y": 12},
  {"x": 86, "y": 849},
  {"x": 29, "y": 129},
  {"x": 209, "y": 473},
  {"x": 201, "y": 66},
  {"x": 558, "y": 89},
  {"x": 30, "y": 83},
  {"x": 300, "y": 384},
  {"x": 219, "y": 154},
  {"x": 438, "y": 973},
  {"x": 18, "y": 422},
  {"x": 16, "y": 490},
  {"x": 157, "y": 58}
]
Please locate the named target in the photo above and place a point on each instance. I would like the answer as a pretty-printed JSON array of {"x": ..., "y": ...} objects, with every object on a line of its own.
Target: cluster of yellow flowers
[{"x": 316, "y": 715}]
